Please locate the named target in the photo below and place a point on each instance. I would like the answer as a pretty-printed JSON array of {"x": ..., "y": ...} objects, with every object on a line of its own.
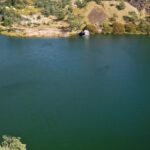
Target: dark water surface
[{"x": 76, "y": 94}]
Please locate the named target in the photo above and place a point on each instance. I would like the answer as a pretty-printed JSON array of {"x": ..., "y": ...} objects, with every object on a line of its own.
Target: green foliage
[
  {"x": 144, "y": 27},
  {"x": 132, "y": 17},
  {"x": 121, "y": 5},
  {"x": 74, "y": 21},
  {"x": 127, "y": 19},
  {"x": 16, "y": 3},
  {"x": 81, "y": 3},
  {"x": 10, "y": 16},
  {"x": 12, "y": 143},
  {"x": 107, "y": 28},
  {"x": 56, "y": 8}
]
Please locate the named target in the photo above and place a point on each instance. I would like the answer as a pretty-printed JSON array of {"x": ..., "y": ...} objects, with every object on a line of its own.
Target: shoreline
[
  {"x": 60, "y": 34},
  {"x": 47, "y": 32},
  {"x": 40, "y": 33}
]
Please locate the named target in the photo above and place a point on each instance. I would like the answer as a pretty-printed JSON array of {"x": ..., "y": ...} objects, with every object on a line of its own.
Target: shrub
[
  {"x": 12, "y": 143},
  {"x": 81, "y": 3},
  {"x": 121, "y": 5},
  {"x": 10, "y": 16},
  {"x": 107, "y": 28},
  {"x": 74, "y": 21},
  {"x": 133, "y": 15},
  {"x": 16, "y": 3},
  {"x": 127, "y": 19},
  {"x": 55, "y": 8},
  {"x": 144, "y": 27}
]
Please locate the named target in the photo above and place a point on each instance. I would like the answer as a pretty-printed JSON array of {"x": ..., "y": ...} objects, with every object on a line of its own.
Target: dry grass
[{"x": 109, "y": 8}]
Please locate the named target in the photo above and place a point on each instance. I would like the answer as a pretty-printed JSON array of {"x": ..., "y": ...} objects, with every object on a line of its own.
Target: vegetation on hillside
[{"x": 73, "y": 12}]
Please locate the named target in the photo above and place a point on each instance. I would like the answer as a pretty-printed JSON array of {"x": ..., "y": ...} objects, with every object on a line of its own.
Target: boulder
[{"x": 97, "y": 16}]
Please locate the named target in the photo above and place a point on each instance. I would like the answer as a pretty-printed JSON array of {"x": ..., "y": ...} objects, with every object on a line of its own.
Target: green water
[{"x": 76, "y": 94}]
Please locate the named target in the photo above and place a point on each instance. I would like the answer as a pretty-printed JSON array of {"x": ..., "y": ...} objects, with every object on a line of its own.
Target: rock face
[
  {"x": 139, "y": 4},
  {"x": 97, "y": 16}
]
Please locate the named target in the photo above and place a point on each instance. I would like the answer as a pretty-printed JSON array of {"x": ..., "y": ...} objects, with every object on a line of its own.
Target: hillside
[{"x": 62, "y": 18}]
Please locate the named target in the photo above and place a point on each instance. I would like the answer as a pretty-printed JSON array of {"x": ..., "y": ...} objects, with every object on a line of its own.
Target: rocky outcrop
[
  {"x": 139, "y": 4},
  {"x": 97, "y": 16}
]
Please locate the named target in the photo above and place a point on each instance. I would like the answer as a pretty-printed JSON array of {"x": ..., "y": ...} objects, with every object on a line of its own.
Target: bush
[
  {"x": 121, "y": 5},
  {"x": 16, "y": 3},
  {"x": 12, "y": 143},
  {"x": 133, "y": 15},
  {"x": 10, "y": 16},
  {"x": 81, "y": 3},
  {"x": 127, "y": 19},
  {"x": 55, "y": 8},
  {"x": 107, "y": 28},
  {"x": 75, "y": 22},
  {"x": 144, "y": 27}
]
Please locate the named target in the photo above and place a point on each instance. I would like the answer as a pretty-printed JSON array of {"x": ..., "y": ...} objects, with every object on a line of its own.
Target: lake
[{"x": 76, "y": 93}]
